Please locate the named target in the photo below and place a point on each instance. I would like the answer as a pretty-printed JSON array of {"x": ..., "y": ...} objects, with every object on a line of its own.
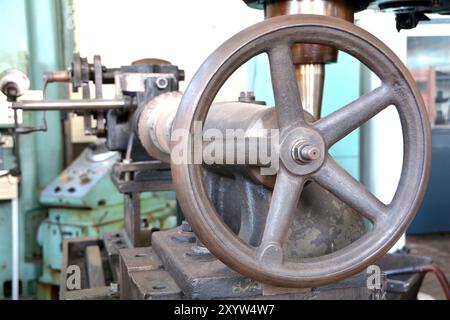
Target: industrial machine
[
  {"x": 269, "y": 213},
  {"x": 83, "y": 202},
  {"x": 275, "y": 245}
]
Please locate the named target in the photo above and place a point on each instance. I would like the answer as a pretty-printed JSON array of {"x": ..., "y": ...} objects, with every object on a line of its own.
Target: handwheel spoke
[
  {"x": 339, "y": 182},
  {"x": 285, "y": 87},
  {"x": 285, "y": 199},
  {"x": 349, "y": 118}
]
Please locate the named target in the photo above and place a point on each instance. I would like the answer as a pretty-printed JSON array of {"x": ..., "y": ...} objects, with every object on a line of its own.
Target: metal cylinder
[
  {"x": 312, "y": 53},
  {"x": 310, "y": 59},
  {"x": 311, "y": 79},
  {"x": 155, "y": 121},
  {"x": 56, "y": 76}
]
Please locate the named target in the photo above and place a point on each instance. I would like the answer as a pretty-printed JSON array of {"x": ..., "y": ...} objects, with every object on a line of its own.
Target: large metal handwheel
[{"x": 299, "y": 164}]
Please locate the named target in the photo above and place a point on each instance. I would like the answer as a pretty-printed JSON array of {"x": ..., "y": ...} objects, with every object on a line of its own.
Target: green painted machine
[{"x": 83, "y": 202}]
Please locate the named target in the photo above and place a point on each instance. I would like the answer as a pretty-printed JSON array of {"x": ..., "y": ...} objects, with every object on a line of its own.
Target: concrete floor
[{"x": 437, "y": 247}]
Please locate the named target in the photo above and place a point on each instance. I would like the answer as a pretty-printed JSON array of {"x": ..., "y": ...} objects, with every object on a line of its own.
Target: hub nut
[{"x": 303, "y": 152}]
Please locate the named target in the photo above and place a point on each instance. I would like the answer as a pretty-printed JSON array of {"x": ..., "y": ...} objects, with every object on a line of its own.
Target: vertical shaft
[{"x": 311, "y": 79}]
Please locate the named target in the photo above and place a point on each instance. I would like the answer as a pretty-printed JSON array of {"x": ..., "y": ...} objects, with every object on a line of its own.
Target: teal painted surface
[
  {"x": 46, "y": 53},
  {"x": 342, "y": 86},
  {"x": 30, "y": 42},
  {"x": 91, "y": 207},
  {"x": 14, "y": 53},
  {"x": 157, "y": 208},
  {"x": 14, "y": 36}
]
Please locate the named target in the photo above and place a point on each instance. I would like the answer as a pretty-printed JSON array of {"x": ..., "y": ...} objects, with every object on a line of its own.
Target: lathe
[{"x": 268, "y": 211}]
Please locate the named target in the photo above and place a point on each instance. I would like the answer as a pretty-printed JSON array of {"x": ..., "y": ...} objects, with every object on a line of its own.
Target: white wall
[
  {"x": 183, "y": 32},
  {"x": 383, "y": 135}
]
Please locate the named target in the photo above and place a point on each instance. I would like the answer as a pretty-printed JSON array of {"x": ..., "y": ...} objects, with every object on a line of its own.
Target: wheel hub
[{"x": 303, "y": 151}]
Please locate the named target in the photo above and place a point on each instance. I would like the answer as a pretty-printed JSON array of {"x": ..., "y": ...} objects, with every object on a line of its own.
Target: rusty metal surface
[
  {"x": 74, "y": 254},
  {"x": 133, "y": 234},
  {"x": 260, "y": 4},
  {"x": 322, "y": 224},
  {"x": 100, "y": 293},
  {"x": 198, "y": 273},
  {"x": 94, "y": 267},
  {"x": 143, "y": 276},
  {"x": 143, "y": 176},
  {"x": 202, "y": 276},
  {"x": 266, "y": 263},
  {"x": 113, "y": 243}
]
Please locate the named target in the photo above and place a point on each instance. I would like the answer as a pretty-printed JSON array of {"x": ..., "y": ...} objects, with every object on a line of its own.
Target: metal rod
[
  {"x": 69, "y": 105},
  {"x": 15, "y": 247}
]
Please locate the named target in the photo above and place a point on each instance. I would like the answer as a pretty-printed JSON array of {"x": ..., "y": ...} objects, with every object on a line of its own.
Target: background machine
[{"x": 89, "y": 197}]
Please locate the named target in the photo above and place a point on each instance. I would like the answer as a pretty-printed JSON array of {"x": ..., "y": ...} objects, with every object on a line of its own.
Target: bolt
[
  {"x": 12, "y": 91},
  {"x": 162, "y": 83},
  {"x": 304, "y": 152},
  {"x": 186, "y": 227},
  {"x": 310, "y": 153},
  {"x": 248, "y": 97}
]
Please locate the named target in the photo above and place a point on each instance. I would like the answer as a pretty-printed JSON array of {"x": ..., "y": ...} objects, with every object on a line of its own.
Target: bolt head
[
  {"x": 186, "y": 227},
  {"x": 162, "y": 83}
]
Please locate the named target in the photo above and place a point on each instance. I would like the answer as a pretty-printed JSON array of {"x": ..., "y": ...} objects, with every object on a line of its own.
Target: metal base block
[
  {"x": 178, "y": 267},
  {"x": 77, "y": 253},
  {"x": 143, "y": 276}
]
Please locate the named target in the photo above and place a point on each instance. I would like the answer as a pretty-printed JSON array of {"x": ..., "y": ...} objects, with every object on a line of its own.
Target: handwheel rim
[{"x": 199, "y": 210}]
